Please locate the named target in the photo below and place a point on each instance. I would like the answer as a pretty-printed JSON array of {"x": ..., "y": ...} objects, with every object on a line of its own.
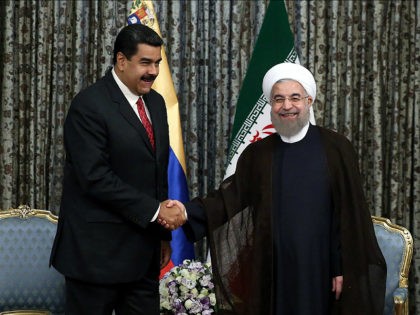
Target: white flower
[
  {"x": 165, "y": 305},
  {"x": 184, "y": 273},
  {"x": 189, "y": 283},
  {"x": 212, "y": 297},
  {"x": 195, "y": 265},
  {"x": 194, "y": 292},
  {"x": 188, "y": 304}
]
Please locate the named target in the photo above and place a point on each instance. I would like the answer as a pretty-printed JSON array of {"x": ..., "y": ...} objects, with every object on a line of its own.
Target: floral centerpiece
[{"x": 188, "y": 289}]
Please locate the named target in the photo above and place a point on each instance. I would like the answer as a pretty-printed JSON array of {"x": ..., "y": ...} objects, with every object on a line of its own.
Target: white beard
[{"x": 290, "y": 128}]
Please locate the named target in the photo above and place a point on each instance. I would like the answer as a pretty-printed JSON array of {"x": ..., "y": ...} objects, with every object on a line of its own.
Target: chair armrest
[
  {"x": 400, "y": 299},
  {"x": 400, "y": 295}
]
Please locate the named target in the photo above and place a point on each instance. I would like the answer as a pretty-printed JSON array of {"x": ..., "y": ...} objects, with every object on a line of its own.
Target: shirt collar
[
  {"x": 130, "y": 96},
  {"x": 297, "y": 137}
]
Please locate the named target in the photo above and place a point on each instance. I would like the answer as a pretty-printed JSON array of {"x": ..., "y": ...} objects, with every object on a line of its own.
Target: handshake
[{"x": 172, "y": 214}]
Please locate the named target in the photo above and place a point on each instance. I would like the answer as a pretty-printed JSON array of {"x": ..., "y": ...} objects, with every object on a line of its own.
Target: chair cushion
[
  {"x": 392, "y": 246},
  {"x": 27, "y": 282}
]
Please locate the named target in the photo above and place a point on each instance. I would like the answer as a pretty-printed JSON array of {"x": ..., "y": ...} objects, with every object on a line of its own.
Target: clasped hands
[{"x": 172, "y": 214}]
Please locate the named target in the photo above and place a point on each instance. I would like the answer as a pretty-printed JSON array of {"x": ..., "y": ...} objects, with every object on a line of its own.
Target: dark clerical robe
[
  {"x": 306, "y": 240},
  {"x": 274, "y": 256}
]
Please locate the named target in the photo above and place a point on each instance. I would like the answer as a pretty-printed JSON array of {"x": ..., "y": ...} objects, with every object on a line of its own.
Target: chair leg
[{"x": 399, "y": 308}]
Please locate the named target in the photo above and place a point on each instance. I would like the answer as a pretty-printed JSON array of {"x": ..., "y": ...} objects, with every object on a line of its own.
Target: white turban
[{"x": 290, "y": 71}]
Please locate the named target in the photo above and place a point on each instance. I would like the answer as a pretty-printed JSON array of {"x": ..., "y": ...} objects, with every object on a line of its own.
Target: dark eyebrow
[
  {"x": 150, "y": 60},
  {"x": 292, "y": 95}
]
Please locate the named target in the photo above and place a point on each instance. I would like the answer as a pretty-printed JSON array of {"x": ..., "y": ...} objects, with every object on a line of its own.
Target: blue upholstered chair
[
  {"x": 27, "y": 284},
  {"x": 396, "y": 245}
]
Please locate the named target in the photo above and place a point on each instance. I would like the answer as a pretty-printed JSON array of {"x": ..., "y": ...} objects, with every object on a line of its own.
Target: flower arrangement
[{"x": 188, "y": 289}]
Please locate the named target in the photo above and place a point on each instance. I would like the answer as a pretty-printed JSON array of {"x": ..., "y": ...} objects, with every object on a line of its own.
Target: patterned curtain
[
  {"x": 364, "y": 55},
  {"x": 49, "y": 51}
]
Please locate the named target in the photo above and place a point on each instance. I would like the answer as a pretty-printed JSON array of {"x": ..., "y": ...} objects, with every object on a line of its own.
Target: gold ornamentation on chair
[
  {"x": 23, "y": 211},
  {"x": 396, "y": 244}
]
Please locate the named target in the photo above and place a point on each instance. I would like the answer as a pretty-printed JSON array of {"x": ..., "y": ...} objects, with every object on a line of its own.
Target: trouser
[{"x": 133, "y": 298}]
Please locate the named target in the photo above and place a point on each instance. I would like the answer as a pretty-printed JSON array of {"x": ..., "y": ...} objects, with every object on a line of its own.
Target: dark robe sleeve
[
  {"x": 363, "y": 265},
  {"x": 238, "y": 233},
  {"x": 196, "y": 226}
]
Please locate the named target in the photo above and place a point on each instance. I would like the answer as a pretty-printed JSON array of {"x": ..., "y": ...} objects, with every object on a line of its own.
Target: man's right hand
[{"x": 171, "y": 214}]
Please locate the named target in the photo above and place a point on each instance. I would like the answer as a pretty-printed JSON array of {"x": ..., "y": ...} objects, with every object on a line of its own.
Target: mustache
[{"x": 149, "y": 77}]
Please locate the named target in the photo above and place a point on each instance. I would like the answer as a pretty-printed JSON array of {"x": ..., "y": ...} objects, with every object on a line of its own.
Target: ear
[
  {"x": 310, "y": 100},
  {"x": 121, "y": 61}
]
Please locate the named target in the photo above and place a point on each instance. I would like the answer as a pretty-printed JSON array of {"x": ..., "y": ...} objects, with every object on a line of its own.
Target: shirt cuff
[{"x": 156, "y": 215}]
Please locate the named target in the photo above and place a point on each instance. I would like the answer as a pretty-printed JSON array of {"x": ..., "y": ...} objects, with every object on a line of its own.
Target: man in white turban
[{"x": 290, "y": 232}]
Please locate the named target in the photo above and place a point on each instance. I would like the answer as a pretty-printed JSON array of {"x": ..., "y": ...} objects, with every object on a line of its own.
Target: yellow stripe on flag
[{"x": 163, "y": 84}]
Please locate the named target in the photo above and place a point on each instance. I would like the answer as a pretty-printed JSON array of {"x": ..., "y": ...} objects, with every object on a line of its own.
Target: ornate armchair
[
  {"x": 396, "y": 245},
  {"x": 27, "y": 285}
]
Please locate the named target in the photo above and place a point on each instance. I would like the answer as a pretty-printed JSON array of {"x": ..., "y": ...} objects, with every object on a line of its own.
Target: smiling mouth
[{"x": 288, "y": 115}]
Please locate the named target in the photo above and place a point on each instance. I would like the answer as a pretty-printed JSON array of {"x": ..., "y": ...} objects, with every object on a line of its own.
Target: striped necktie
[{"x": 145, "y": 121}]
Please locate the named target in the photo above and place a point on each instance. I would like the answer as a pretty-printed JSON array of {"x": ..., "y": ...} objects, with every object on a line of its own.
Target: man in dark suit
[{"x": 109, "y": 245}]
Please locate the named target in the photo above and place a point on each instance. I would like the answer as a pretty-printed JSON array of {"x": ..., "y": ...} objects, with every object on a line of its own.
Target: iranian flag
[{"x": 252, "y": 118}]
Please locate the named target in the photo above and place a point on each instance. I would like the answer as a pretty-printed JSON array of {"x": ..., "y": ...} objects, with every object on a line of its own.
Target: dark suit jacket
[{"x": 113, "y": 183}]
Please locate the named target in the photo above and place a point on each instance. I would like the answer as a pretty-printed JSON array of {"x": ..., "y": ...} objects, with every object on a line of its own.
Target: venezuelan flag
[{"x": 142, "y": 12}]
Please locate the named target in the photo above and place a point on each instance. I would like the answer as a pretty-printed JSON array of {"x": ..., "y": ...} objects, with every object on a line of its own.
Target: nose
[
  {"x": 153, "y": 69},
  {"x": 287, "y": 104}
]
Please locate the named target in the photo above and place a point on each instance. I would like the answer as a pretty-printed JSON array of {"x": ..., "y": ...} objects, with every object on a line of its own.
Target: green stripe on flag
[{"x": 274, "y": 45}]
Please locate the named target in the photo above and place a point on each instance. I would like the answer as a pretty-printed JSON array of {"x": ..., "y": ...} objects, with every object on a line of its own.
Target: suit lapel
[{"x": 126, "y": 110}]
